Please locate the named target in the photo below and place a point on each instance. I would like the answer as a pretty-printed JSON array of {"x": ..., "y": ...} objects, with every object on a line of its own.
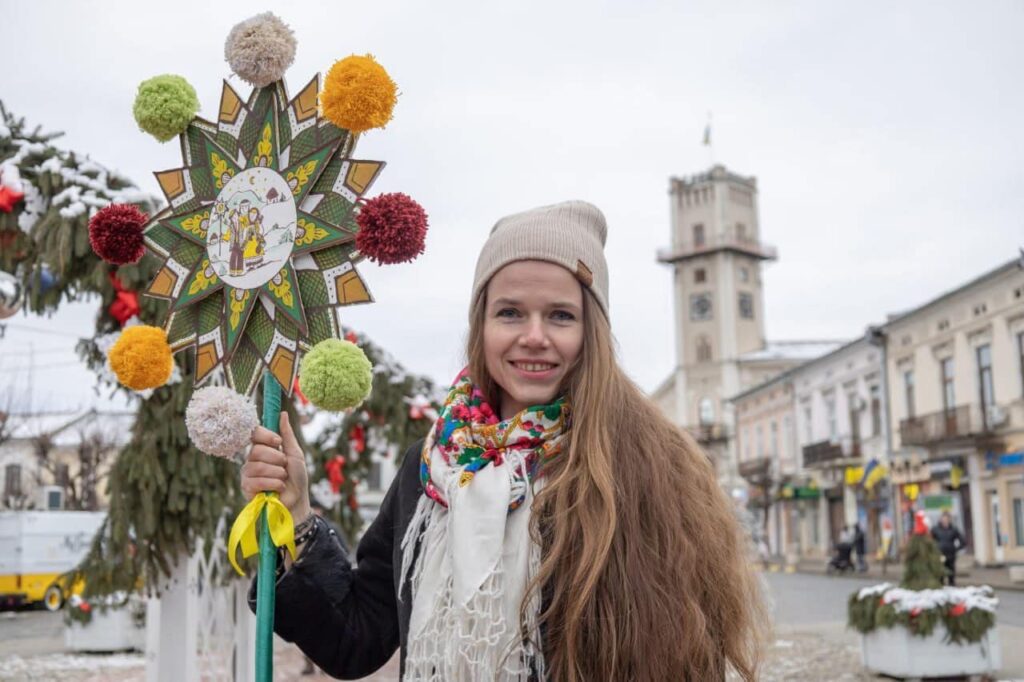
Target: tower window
[
  {"x": 741, "y": 232},
  {"x": 698, "y": 234},
  {"x": 700, "y": 307},
  {"x": 699, "y": 275},
  {"x": 746, "y": 306},
  {"x": 703, "y": 349},
  {"x": 744, "y": 274},
  {"x": 706, "y": 411}
]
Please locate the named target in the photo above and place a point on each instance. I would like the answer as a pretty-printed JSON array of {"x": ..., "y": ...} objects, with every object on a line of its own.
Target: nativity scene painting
[{"x": 252, "y": 228}]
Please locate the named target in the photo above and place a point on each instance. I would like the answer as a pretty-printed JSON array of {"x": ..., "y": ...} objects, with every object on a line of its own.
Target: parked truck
[{"x": 36, "y": 547}]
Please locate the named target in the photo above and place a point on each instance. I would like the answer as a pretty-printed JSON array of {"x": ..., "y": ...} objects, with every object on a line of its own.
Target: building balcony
[
  {"x": 713, "y": 243},
  {"x": 960, "y": 423},
  {"x": 706, "y": 434},
  {"x": 831, "y": 452},
  {"x": 756, "y": 470}
]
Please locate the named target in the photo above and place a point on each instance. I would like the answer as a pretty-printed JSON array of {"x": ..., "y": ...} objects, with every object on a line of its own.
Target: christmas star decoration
[{"x": 258, "y": 239}]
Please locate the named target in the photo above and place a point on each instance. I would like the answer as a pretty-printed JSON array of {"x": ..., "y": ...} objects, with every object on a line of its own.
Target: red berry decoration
[
  {"x": 115, "y": 233},
  {"x": 392, "y": 229}
]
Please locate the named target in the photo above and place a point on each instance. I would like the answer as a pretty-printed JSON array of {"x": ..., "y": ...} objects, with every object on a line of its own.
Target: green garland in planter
[
  {"x": 962, "y": 624},
  {"x": 79, "y": 610},
  {"x": 966, "y": 613}
]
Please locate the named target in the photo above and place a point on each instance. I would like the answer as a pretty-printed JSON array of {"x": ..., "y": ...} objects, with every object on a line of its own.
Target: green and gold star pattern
[{"x": 258, "y": 239}]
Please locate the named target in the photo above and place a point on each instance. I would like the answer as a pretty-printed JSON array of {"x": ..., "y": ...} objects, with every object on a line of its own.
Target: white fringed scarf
[{"x": 468, "y": 548}]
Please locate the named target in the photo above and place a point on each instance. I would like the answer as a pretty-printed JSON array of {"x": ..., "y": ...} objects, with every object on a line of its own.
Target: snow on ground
[{"x": 78, "y": 667}]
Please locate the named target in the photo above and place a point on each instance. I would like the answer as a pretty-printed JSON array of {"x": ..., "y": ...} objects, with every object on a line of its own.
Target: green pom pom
[
  {"x": 164, "y": 106},
  {"x": 335, "y": 375}
]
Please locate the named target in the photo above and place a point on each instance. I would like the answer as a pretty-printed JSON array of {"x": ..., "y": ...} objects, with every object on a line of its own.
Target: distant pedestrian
[
  {"x": 859, "y": 549},
  {"x": 846, "y": 536},
  {"x": 950, "y": 541}
]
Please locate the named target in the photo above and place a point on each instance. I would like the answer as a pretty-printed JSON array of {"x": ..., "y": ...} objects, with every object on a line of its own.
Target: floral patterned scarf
[
  {"x": 468, "y": 437},
  {"x": 470, "y": 554}
]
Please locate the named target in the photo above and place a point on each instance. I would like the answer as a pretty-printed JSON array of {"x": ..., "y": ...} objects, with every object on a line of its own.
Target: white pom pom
[
  {"x": 220, "y": 422},
  {"x": 260, "y": 49}
]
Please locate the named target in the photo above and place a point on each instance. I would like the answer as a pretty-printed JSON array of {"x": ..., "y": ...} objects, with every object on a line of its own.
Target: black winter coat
[
  {"x": 350, "y": 620},
  {"x": 949, "y": 539}
]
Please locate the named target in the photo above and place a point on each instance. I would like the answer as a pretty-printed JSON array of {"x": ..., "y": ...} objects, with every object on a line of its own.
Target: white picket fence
[{"x": 200, "y": 628}]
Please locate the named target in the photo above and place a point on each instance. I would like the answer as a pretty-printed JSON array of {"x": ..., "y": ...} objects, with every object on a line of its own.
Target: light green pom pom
[
  {"x": 165, "y": 105},
  {"x": 335, "y": 375}
]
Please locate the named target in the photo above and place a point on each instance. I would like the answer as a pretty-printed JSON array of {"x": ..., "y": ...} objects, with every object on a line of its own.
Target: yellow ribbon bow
[{"x": 243, "y": 530}]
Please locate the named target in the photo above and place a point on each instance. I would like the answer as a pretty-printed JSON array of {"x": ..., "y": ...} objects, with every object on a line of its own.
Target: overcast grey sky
[{"x": 887, "y": 139}]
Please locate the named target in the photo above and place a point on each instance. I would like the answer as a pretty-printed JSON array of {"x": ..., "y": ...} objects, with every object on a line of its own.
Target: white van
[{"x": 36, "y": 547}]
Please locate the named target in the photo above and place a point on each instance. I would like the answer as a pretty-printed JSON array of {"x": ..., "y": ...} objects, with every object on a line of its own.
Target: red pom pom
[
  {"x": 115, "y": 233},
  {"x": 392, "y": 228}
]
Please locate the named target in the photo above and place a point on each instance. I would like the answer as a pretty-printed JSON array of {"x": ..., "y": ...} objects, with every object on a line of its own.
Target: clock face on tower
[{"x": 700, "y": 307}]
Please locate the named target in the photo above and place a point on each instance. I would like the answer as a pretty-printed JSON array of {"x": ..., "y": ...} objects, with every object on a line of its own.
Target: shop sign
[
  {"x": 1010, "y": 459},
  {"x": 806, "y": 492},
  {"x": 937, "y": 502},
  {"x": 911, "y": 470}
]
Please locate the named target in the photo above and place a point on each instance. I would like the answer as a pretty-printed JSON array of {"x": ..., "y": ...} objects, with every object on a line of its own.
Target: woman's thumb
[{"x": 287, "y": 435}]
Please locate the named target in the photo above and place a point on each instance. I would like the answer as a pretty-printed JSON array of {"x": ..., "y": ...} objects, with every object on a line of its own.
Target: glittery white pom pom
[{"x": 220, "y": 422}]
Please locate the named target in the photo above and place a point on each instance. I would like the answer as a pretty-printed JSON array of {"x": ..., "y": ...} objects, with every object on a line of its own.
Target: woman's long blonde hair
[{"x": 645, "y": 572}]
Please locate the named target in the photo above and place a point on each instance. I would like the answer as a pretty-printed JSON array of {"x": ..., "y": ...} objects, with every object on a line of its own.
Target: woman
[
  {"x": 553, "y": 525},
  {"x": 950, "y": 541}
]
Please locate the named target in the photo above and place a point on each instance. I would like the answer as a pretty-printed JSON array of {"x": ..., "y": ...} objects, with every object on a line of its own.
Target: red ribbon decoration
[
  {"x": 357, "y": 436},
  {"x": 126, "y": 303},
  {"x": 335, "y": 473},
  {"x": 297, "y": 392},
  {"x": 9, "y": 198}
]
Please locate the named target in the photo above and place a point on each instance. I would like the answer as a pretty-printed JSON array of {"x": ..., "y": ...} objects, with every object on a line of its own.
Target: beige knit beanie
[{"x": 571, "y": 234}]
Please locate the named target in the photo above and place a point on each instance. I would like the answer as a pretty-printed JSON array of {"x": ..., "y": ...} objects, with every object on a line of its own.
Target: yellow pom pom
[
  {"x": 141, "y": 358},
  {"x": 358, "y": 94}
]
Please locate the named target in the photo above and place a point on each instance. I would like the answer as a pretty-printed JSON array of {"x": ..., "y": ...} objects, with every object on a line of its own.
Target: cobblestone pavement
[
  {"x": 810, "y": 657},
  {"x": 811, "y": 642},
  {"x": 131, "y": 667}
]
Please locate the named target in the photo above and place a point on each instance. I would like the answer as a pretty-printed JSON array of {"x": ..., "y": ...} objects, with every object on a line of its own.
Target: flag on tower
[{"x": 707, "y": 134}]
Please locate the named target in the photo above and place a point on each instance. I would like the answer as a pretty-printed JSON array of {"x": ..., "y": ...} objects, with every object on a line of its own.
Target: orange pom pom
[
  {"x": 358, "y": 94},
  {"x": 141, "y": 358}
]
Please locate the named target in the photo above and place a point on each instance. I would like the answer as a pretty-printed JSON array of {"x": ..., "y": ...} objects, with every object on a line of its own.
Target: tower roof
[{"x": 718, "y": 172}]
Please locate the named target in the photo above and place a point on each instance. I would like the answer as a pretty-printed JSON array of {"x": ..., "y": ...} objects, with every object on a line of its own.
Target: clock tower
[{"x": 716, "y": 258}]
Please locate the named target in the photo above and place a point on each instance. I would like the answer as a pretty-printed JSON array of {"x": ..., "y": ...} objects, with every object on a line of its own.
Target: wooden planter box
[
  {"x": 109, "y": 630},
  {"x": 896, "y": 652}
]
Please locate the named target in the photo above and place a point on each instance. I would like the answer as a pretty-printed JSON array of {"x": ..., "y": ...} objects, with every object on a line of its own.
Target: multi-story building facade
[
  {"x": 769, "y": 460},
  {"x": 842, "y": 430},
  {"x": 59, "y": 460},
  {"x": 810, "y": 434},
  {"x": 956, "y": 368},
  {"x": 716, "y": 256}
]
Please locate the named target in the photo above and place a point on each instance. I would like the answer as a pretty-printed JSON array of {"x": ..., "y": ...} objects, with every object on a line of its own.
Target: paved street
[
  {"x": 810, "y": 642},
  {"x": 813, "y": 643}
]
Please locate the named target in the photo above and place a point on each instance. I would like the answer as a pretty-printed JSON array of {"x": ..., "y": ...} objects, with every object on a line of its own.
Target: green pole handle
[{"x": 268, "y": 553}]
